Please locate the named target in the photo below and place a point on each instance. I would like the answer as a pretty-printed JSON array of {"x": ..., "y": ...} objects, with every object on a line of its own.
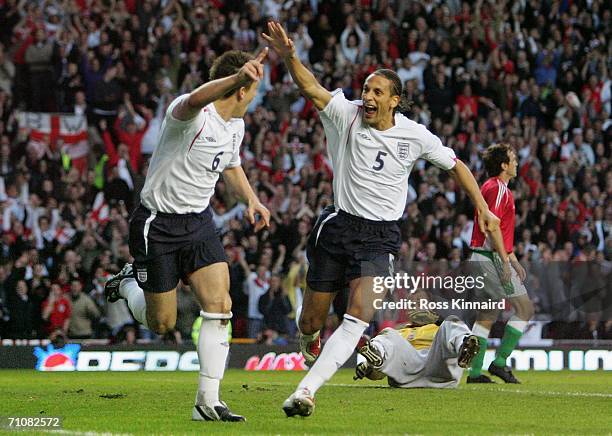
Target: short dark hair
[
  {"x": 396, "y": 87},
  {"x": 227, "y": 64},
  {"x": 494, "y": 156}
]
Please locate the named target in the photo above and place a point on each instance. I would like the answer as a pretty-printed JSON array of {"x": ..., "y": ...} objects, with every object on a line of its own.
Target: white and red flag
[{"x": 62, "y": 132}]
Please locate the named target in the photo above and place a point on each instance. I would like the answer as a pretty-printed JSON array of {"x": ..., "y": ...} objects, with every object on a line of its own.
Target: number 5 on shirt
[{"x": 379, "y": 162}]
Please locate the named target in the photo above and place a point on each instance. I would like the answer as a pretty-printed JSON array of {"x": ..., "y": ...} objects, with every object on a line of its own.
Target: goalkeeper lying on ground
[{"x": 421, "y": 354}]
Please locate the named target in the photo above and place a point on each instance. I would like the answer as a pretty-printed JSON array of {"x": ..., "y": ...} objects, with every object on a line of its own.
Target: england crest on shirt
[{"x": 402, "y": 150}]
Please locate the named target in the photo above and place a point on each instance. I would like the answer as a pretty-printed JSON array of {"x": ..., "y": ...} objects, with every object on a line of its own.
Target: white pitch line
[
  {"x": 510, "y": 391},
  {"x": 83, "y": 433},
  {"x": 559, "y": 394}
]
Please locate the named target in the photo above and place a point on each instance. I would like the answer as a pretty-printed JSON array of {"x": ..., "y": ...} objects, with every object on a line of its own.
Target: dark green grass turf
[{"x": 160, "y": 403}]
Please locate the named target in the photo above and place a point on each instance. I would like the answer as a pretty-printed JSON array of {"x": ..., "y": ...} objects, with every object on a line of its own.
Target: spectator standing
[
  {"x": 84, "y": 312},
  {"x": 38, "y": 59},
  {"x": 256, "y": 285},
  {"x": 275, "y": 307},
  {"x": 56, "y": 310}
]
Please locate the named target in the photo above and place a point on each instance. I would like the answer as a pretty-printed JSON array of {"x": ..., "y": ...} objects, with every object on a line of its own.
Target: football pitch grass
[{"x": 160, "y": 403}]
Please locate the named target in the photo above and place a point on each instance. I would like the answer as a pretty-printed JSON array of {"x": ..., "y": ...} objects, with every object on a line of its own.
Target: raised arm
[
  {"x": 301, "y": 75},
  {"x": 189, "y": 107}
]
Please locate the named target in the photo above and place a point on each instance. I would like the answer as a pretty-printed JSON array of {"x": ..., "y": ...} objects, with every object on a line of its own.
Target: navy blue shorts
[
  {"x": 169, "y": 247},
  {"x": 343, "y": 247}
]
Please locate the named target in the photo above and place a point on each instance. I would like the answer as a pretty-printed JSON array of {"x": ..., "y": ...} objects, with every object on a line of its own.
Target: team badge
[
  {"x": 142, "y": 275},
  {"x": 402, "y": 150}
]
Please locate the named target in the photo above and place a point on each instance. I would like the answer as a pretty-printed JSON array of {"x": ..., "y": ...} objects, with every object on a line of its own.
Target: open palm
[{"x": 278, "y": 40}]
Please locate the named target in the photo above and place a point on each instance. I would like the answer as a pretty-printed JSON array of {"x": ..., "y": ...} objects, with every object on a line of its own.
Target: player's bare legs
[
  {"x": 361, "y": 299},
  {"x": 315, "y": 308},
  {"x": 523, "y": 307},
  {"x": 160, "y": 311},
  {"x": 338, "y": 348},
  {"x": 210, "y": 285},
  {"x": 155, "y": 311}
]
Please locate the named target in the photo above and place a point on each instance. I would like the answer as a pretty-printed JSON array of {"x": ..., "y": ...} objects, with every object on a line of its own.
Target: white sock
[
  {"x": 129, "y": 289},
  {"x": 337, "y": 350},
  {"x": 213, "y": 346}
]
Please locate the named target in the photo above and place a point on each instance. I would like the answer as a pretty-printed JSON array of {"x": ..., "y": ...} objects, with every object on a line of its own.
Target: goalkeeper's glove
[
  {"x": 365, "y": 370},
  {"x": 362, "y": 370}
]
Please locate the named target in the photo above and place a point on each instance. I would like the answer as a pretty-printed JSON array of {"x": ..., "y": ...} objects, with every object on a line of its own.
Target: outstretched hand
[
  {"x": 253, "y": 70},
  {"x": 278, "y": 40}
]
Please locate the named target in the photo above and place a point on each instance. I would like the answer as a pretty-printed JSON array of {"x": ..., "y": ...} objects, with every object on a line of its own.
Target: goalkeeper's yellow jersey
[{"x": 420, "y": 337}]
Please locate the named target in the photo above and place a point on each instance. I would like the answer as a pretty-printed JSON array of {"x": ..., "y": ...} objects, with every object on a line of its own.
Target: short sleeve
[
  {"x": 171, "y": 120},
  {"x": 433, "y": 151},
  {"x": 235, "y": 161},
  {"x": 339, "y": 111},
  {"x": 495, "y": 196}
]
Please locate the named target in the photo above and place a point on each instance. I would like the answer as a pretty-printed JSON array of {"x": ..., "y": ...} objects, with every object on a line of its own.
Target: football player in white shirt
[
  {"x": 372, "y": 150},
  {"x": 172, "y": 234}
]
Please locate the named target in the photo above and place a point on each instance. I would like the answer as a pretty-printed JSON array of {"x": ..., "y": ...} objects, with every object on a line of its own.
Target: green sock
[
  {"x": 479, "y": 359},
  {"x": 509, "y": 341}
]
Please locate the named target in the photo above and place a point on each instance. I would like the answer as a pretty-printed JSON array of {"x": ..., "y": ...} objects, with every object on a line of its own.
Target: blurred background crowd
[{"x": 532, "y": 73}]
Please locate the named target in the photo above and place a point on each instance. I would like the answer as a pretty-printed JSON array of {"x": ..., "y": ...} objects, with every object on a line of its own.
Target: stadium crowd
[{"x": 532, "y": 73}]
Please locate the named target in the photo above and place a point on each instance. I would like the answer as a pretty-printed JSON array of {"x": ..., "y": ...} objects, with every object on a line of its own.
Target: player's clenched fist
[
  {"x": 253, "y": 69},
  {"x": 487, "y": 221}
]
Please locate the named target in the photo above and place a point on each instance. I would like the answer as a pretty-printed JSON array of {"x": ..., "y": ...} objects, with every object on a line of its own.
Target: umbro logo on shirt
[
  {"x": 364, "y": 136},
  {"x": 210, "y": 139}
]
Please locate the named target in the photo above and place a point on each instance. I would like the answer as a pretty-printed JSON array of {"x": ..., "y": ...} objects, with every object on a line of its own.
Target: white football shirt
[
  {"x": 371, "y": 167},
  {"x": 188, "y": 159}
]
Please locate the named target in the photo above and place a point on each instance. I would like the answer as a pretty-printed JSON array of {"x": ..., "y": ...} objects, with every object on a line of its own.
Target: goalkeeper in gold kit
[{"x": 425, "y": 353}]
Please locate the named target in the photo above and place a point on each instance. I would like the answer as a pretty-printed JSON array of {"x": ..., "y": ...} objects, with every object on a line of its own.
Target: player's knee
[
  {"x": 526, "y": 311},
  {"x": 218, "y": 304},
  {"x": 359, "y": 311},
  {"x": 162, "y": 325},
  {"x": 310, "y": 323}
]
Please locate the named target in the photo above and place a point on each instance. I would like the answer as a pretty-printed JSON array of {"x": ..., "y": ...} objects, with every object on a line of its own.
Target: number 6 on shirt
[{"x": 216, "y": 160}]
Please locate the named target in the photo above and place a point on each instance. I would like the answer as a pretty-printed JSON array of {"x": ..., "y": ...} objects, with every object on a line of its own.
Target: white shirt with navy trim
[
  {"x": 188, "y": 159},
  {"x": 371, "y": 167}
]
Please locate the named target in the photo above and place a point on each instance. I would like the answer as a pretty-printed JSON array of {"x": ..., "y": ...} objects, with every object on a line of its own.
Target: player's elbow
[
  {"x": 317, "y": 94},
  {"x": 458, "y": 168},
  {"x": 193, "y": 102}
]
